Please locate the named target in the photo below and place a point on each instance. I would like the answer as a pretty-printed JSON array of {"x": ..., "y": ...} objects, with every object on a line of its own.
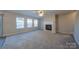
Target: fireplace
[{"x": 48, "y": 27}]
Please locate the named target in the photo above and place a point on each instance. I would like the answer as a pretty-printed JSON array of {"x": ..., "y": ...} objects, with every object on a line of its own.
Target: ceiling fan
[{"x": 40, "y": 12}]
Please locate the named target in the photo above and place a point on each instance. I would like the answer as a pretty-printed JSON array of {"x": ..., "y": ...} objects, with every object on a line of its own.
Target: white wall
[
  {"x": 66, "y": 23},
  {"x": 76, "y": 30},
  {"x": 49, "y": 19},
  {"x": 9, "y": 24}
]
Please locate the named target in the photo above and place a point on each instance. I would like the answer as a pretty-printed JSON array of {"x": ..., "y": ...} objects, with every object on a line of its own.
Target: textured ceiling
[{"x": 34, "y": 14}]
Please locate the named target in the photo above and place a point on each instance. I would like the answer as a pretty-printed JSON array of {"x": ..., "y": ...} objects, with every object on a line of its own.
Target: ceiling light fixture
[{"x": 40, "y": 12}]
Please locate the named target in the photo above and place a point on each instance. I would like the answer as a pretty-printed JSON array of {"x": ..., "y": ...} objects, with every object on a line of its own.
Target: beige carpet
[{"x": 39, "y": 40}]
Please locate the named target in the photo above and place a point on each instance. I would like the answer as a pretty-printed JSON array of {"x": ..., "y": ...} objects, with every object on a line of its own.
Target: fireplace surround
[{"x": 48, "y": 27}]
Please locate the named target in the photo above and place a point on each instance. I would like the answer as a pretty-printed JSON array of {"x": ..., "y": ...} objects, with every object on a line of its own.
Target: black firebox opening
[{"x": 48, "y": 27}]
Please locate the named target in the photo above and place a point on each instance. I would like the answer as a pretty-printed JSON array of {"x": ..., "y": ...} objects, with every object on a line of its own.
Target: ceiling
[{"x": 34, "y": 14}]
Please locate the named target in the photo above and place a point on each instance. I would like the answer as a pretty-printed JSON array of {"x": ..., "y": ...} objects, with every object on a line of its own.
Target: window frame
[
  {"x": 35, "y": 25},
  {"x": 28, "y": 26},
  {"x": 17, "y": 22}
]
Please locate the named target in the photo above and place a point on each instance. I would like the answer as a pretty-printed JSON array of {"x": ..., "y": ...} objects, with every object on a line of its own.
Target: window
[
  {"x": 29, "y": 23},
  {"x": 19, "y": 22},
  {"x": 35, "y": 23}
]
